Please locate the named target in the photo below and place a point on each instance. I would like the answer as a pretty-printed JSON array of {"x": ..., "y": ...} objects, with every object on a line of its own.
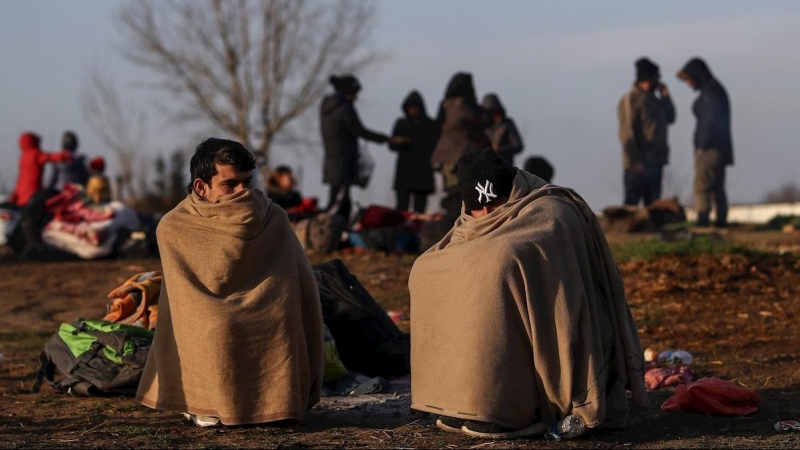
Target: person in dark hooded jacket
[
  {"x": 414, "y": 138},
  {"x": 712, "y": 141},
  {"x": 72, "y": 172},
  {"x": 503, "y": 133},
  {"x": 463, "y": 130},
  {"x": 341, "y": 129}
]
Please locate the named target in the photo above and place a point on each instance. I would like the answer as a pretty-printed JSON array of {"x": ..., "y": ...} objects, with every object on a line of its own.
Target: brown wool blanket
[
  {"x": 520, "y": 316},
  {"x": 239, "y": 334}
]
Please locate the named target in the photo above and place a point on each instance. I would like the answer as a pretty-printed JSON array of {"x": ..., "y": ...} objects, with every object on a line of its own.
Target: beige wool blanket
[
  {"x": 239, "y": 334},
  {"x": 520, "y": 317}
]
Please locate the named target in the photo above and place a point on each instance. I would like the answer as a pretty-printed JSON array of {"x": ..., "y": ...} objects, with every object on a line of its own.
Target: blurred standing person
[
  {"x": 643, "y": 121},
  {"x": 31, "y": 168},
  {"x": 341, "y": 129},
  {"x": 414, "y": 139},
  {"x": 463, "y": 130},
  {"x": 502, "y": 133},
  {"x": 28, "y": 193},
  {"x": 713, "y": 146},
  {"x": 70, "y": 172}
]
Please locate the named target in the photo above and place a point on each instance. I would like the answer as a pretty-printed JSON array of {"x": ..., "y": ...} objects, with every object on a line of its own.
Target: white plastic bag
[
  {"x": 8, "y": 222},
  {"x": 366, "y": 166}
]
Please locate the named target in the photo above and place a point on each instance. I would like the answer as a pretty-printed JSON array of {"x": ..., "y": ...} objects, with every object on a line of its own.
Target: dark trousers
[
  {"x": 27, "y": 236},
  {"x": 420, "y": 200},
  {"x": 709, "y": 182},
  {"x": 339, "y": 202},
  {"x": 643, "y": 186}
]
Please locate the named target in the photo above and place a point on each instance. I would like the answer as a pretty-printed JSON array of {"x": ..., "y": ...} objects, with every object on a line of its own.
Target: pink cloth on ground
[{"x": 673, "y": 375}]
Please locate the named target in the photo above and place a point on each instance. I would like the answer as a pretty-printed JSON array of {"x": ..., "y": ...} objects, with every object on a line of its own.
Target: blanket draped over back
[
  {"x": 239, "y": 335},
  {"x": 520, "y": 316}
]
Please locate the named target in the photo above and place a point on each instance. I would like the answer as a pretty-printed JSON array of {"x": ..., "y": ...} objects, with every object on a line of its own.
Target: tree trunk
[{"x": 263, "y": 165}]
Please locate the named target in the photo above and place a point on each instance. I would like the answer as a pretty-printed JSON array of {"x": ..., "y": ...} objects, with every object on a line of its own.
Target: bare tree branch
[
  {"x": 247, "y": 67},
  {"x": 119, "y": 126}
]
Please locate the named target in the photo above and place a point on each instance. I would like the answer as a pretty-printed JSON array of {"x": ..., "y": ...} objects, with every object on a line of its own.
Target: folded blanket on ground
[
  {"x": 239, "y": 333},
  {"x": 136, "y": 301},
  {"x": 520, "y": 316}
]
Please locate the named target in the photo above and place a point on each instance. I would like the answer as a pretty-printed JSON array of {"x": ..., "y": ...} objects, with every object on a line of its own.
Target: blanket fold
[
  {"x": 240, "y": 330},
  {"x": 520, "y": 316}
]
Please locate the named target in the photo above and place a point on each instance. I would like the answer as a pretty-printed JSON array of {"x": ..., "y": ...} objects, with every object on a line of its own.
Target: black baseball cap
[{"x": 483, "y": 178}]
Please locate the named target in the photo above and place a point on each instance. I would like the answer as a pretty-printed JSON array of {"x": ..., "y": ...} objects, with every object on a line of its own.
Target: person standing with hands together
[{"x": 643, "y": 121}]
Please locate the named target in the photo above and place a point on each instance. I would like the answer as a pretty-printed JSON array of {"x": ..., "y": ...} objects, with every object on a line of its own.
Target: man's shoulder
[
  {"x": 171, "y": 219},
  {"x": 558, "y": 208},
  {"x": 635, "y": 95}
]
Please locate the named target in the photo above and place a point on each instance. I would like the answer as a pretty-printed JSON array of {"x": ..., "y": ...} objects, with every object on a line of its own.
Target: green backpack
[{"x": 95, "y": 357}]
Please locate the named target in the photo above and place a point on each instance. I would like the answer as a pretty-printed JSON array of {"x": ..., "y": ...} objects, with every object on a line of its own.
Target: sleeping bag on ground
[{"x": 366, "y": 338}]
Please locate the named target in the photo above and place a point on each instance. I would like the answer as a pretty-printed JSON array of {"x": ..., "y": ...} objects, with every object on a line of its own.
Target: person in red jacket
[
  {"x": 29, "y": 195},
  {"x": 31, "y": 168}
]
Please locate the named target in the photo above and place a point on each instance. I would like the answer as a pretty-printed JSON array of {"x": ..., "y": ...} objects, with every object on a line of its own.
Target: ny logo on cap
[{"x": 487, "y": 190}]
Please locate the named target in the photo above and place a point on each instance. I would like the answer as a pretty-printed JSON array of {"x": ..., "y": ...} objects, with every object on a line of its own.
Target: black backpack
[
  {"x": 95, "y": 357},
  {"x": 366, "y": 338}
]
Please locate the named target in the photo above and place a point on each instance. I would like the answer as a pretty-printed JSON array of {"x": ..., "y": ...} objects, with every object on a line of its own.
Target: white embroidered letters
[{"x": 487, "y": 191}]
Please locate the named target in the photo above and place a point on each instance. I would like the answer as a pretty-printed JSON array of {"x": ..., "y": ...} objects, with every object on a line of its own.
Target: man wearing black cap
[
  {"x": 643, "y": 121},
  {"x": 485, "y": 182},
  {"x": 341, "y": 129},
  {"x": 520, "y": 320}
]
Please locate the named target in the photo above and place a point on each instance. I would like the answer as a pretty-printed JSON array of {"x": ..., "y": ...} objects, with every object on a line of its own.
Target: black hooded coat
[
  {"x": 712, "y": 110},
  {"x": 341, "y": 129},
  {"x": 413, "y": 170},
  {"x": 462, "y": 120},
  {"x": 504, "y": 134}
]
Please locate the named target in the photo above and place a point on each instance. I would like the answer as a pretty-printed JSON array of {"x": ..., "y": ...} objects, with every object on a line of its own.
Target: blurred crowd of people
[
  {"x": 427, "y": 145},
  {"x": 646, "y": 111},
  {"x": 69, "y": 167},
  {"x": 424, "y": 145}
]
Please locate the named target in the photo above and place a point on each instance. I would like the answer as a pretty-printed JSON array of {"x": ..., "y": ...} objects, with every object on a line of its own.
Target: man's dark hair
[
  {"x": 69, "y": 141},
  {"x": 283, "y": 170},
  {"x": 213, "y": 151}
]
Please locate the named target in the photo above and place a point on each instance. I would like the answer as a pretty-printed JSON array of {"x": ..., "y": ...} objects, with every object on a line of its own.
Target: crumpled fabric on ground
[
  {"x": 669, "y": 376},
  {"x": 356, "y": 384},
  {"x": 713, "y": 396}
]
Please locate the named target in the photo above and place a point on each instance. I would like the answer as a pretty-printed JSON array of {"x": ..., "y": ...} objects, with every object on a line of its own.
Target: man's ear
[{"x": 200, "y": 187}]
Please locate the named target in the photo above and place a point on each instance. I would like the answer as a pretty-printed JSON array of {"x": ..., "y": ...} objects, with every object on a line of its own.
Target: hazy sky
[{"x": 559, "y": 67}]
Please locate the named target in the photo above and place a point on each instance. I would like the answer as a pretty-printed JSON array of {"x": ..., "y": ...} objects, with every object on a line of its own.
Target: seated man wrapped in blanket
[
  {"x": 239, "y": 338},
  {"x": 519, "y": 320}
]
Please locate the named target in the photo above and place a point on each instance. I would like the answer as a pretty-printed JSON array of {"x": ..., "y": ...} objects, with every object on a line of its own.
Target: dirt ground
[{"x": 737, "y": 313}]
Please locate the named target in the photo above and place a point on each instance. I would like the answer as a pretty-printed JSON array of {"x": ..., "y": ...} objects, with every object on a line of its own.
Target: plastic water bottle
[
  {"x": 570, "y": 427},
  {"x": 675, "y": 357}
]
